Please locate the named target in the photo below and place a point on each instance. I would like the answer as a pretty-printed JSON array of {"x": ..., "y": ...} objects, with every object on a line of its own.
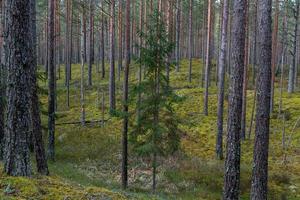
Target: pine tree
[{"x": 156, "y": 133}]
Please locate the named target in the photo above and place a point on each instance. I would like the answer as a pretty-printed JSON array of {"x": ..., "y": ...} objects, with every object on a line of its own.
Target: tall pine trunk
[
  {"x": 232, "y": 163},
  {"x": 259, "y": 186},
  {"x": 112, "y": 85},
  {"x": 51, "y": 83},
  {"x": 37, "y": 132},
  {"x": 222, "y": 63},
  {"x": 125, "y": 99}
]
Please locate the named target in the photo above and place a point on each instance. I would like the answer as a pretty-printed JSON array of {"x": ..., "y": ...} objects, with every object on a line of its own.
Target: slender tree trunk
[
  {"x": 259, "y": 187},
  {"x": 291, "y": 85},
  {"x": 82, "y": 90},
  {"x": 51, "y": 83},
  {"x": 178, "y": 26},
  {"x": 120, "y": 27},
  {"x": 102, "y": 44},
  {"x": 91, "y": 45},
  {"x": 112, "y": 96},
  {"x": 208, "y": 57},
  {"x": 222, "y": 63},
  {"x": 274, "y": 53},
  {"x": 232, "y": 163},
  {"x": 245, "y": 83},
  {"x": 41, "y": 161},
  {"x": 190, "y": 39},
  {"x": 125, "y": 99}
]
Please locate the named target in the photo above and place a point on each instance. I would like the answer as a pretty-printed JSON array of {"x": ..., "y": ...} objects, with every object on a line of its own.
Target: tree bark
[
  {"x": 259, "y": 186},
  {"x": 19, "y": 62},
  {"x": 37, "y": 132},
  {"x": 125, "y": 99},
  {"x": 178, "y": 25},
  {"x": 112, "y": 95},
  {"x": 222, "y": 63},
  {"x": 91, "y": 42},
  {"x": 190, "y": 39},
  {"x": 274, "y": 52},
  {"x": 232, "y": 163},
  {"x": 208, "y": 57},
  {"x": 51, "y": 83}
]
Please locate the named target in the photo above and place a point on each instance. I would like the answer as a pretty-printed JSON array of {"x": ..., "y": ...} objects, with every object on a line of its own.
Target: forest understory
[{"x": 87, "y": 163}]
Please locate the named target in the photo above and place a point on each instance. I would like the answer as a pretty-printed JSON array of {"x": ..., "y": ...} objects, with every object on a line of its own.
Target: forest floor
[{"x": 88, "y": 158}]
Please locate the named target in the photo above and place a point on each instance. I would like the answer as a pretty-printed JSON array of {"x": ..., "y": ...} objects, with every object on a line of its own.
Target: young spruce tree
[{"x": 156, "y": 132}]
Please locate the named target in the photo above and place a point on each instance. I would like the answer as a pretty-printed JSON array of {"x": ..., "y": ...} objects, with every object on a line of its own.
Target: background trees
[{"x": 223, "y": 47}]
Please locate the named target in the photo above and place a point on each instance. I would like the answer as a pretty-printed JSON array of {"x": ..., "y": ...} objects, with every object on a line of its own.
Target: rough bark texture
[
  {"x": 18, "y": 51},
  {"x": 125, "y": 99},
  {"x": 82, "y": 90},
  {"x": 232, "y": 163},
  {"x": 222, "y": 63},
  {"x": 51, "y": 83},
  {"x": 2, "y": 81},
  {"x": 260, "y": 167}
]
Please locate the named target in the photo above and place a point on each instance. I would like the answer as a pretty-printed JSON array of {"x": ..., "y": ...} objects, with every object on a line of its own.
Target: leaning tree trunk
[
  {"x": 259, "y": 186},
  {"x": 222, "y": 63},
  {"x": 232, "y": 163},
  {"x": 18, "y": 51}
]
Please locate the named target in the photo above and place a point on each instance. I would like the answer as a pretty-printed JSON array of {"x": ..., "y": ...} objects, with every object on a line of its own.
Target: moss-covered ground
[{"x": 88, "y": 158}]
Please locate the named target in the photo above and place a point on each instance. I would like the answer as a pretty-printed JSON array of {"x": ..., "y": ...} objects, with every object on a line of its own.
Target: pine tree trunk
[
  {"x": 245, "y": 83},
  {"x": 91, "y": 46},
  {"x": 125, "y": 99},
  {"x": 37, "y": 132},
  {"x": 291, "y": 85},
  {"x": 51, "y": 83},
  {"x": 112, "y": 98},
  {"x": 178, "y": 26},
  {"x": 232, "y": 163},
  {"x": 208, "y": 57},
  {"x": 274, "y": 53},
  {"x": 82, "y": 95},
  {"x": 222, "y": 63},
  {"x": 259, "y": 187},
  {"x": 2, "y": 80},
  {"x": 19, "y": 65},
  {"x": 120, "y": 27},
  {"x": 190, "y": 39},
  {"x": 102, "y": 51}
]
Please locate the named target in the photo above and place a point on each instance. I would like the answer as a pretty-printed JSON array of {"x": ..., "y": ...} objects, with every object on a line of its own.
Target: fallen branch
[{"x": 79, "y": 122}]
